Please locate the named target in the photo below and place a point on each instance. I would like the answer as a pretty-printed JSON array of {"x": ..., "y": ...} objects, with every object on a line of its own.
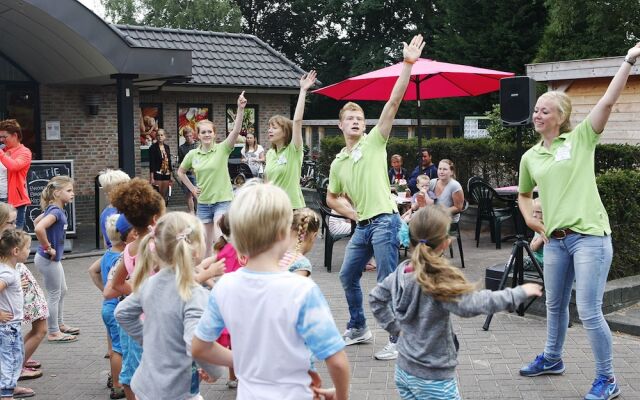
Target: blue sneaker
[
  {"x": 603, "y": 388},
  {"x": 540, "y": 366}
]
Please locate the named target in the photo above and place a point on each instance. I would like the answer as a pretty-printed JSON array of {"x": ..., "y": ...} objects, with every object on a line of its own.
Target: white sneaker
[
  {"x": 356, "y": 335},
  {"x": 388, "y": 352}
]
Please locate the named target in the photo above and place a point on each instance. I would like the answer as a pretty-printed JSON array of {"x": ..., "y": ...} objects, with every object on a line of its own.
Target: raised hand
[
  {"x": 634, "y": 52},
  {"x": 242, "y": 102},
  {"x": 308, "y": 80},
  {"x": 412, "y": 51}
]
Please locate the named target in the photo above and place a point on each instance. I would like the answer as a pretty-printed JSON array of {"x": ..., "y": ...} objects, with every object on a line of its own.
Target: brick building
[{"x": 59, "y": 62}]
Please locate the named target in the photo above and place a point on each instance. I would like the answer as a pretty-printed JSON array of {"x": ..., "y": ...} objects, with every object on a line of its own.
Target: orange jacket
[{"x": 17, "y": 161}]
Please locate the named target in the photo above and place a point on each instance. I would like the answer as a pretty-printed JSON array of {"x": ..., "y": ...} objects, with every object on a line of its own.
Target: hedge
[
  {"x": 616, "y": 168},
  {"x": 620, "y": 193},
  {"x": 494, "y": 161}
]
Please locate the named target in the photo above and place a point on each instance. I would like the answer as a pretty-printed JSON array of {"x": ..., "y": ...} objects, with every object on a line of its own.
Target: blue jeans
[
  {"x": 112, "y": 325},
  {"x": 209, "y": 212},
  {"x": 11, "y": 357},
  {"x": 379, "y": 239},
  {"x": 586, "y": 259},
  {"x": 20, "y": 217}
]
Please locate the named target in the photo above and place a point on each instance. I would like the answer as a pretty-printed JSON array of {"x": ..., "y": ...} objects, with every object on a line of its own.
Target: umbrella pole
[{"x": 417, "y": 82}]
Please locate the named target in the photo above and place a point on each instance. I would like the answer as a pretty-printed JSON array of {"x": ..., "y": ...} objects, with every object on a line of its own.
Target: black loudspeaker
[{"x": 517, "y": 99}]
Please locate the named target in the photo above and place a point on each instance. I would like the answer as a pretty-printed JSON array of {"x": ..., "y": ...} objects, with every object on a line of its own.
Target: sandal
[
  {"x": 29, "y": 373},
  {"x": 63, "y": 339},
  {"x": 117, "y": 393},
  {"x": 23, "y": 392},
  {"x": 70, "y": 330},
  {"x": 31, "y": 363}
]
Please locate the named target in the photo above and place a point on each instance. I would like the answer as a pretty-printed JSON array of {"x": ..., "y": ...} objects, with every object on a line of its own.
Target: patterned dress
[{"x": 35, "y": 304}]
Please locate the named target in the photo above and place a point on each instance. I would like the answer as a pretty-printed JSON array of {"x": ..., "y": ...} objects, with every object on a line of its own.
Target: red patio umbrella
[{"x": 429, "y": 80}]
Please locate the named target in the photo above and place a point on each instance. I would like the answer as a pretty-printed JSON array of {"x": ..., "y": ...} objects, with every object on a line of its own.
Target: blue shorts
[
  {"x": 185, "y": 189},
  {"x": 131, "y": 356},
  {"x": 112, "y": 325},
  {"x": 209, "y": 212}
]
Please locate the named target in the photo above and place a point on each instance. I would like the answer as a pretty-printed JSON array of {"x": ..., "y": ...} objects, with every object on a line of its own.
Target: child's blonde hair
[
  {"x": 109, "y": 178},
  {"x": 422, "y": 178},
  {"x": 428, "y": 229},
  {"x": 305, "y": 221},
  {"x": 48, "y": 193},
  {"x": 5, "y": 212},
  {"x": 259, "y": 215},
  {"x": 175, "y": 239},
  {"x": 10, "y": 239},
  {"x": 112, "y": 233}
]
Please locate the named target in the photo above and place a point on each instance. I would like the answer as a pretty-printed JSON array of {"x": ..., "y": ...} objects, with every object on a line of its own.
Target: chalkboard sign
[{"x": 40, "y": 172}]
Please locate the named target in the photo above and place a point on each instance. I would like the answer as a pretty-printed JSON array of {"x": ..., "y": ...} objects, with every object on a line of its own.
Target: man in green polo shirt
[{"x": 359, "y": 171}]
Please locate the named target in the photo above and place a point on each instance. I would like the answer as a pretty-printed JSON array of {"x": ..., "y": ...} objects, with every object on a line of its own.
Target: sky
[{"x": 94, "y": 5}]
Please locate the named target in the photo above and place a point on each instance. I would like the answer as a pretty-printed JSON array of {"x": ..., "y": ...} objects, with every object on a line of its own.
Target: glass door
[{"x": 20, "y": 101}]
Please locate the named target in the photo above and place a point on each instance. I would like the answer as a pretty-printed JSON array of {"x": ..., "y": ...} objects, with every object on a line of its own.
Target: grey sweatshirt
[
  {"x": 426, "y": 346},
  {"x": 169, "y": 324}
]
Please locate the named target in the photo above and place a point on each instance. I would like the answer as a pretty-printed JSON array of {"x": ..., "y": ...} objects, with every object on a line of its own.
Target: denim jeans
[
  {"x": 20, "y": 217},
  {"x": 379, "y": 239},
  {"x": 209, "y": 212},
  {"x": 586, "y": 259},
  {"x": 11, "y": 357}
]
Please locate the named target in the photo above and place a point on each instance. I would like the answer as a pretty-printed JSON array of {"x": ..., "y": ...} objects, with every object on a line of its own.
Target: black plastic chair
[
  {"x": 472, "y": 180},
  {"x": 486, "y": 197},
  {"x": 329, "y": 238},
  {"x": 454, "y": 230}
]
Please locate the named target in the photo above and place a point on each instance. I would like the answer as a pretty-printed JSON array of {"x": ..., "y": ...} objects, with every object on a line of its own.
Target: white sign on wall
[
  {"x": 475, "y": 127},
  {"x": 52, "y": 130}
]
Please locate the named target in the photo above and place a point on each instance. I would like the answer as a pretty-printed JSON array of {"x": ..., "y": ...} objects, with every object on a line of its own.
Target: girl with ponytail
[
  {"x": 304, "y": 228},
  {"x": 417, "y": 300},
  {"x": 172, "y": 302}
]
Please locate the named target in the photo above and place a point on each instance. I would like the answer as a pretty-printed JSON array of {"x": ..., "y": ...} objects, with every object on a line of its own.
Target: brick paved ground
[{"x": 489, "y": 361}]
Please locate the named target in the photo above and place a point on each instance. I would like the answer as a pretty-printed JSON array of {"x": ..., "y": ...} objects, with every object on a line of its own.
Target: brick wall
[{"x": 91, "y": 141}]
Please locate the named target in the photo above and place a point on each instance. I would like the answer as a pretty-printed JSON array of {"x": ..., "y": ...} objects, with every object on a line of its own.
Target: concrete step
[{"x": 626, "y": 320}]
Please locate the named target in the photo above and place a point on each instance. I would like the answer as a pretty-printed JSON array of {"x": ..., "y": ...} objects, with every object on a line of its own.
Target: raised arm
[
  {"x": 306, "y": 82},
  {"x": 237, "y": 125},
  {"x": 600, "y": 113},
  {"x": 411, "y": 53}
]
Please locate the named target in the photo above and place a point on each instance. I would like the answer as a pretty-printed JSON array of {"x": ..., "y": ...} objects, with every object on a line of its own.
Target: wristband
[{"x": 628, "y": 60}]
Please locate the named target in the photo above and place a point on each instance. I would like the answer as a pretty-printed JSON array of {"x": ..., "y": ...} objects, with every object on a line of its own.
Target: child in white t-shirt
[{"x": 277, "y": 319}]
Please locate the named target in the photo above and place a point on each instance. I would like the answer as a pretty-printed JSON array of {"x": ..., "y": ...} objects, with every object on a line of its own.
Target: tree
[
  {"x": 502, "y": 35},
  {"x": 207, "y": 15},
  {"x": 589, "y": 29}
]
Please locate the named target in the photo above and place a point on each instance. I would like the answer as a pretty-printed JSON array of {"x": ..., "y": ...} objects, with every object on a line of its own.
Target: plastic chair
[
  {"x": 472, "y": 180},
  {"x": 329, "y": 238},
  {"x": 485, "y": 196},
  {"x": 454, "y": 230}
]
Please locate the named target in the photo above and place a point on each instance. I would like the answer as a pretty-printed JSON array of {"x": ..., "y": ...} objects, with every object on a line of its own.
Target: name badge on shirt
[
  {"x": 564, "y": 152},
  {"x": 356, "y": 154},
  {"x": 196, "y": 161},
  {"x": 281, "y": 160}
]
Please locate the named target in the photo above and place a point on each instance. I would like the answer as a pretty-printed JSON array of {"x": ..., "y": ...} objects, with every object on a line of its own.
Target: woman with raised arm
[
  {"x": 576, "y": 226},
  {"x": 284, "y": 159},
  {"x": 209, "y": 163}
]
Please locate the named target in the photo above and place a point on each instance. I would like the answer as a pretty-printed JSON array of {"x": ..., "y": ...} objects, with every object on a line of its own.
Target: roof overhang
[
  {"x": 63, "y": 42},
  {"x": 577, "y": 69}
]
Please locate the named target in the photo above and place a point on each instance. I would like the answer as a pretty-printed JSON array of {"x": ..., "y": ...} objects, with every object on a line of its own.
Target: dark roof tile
[{"x": 222, "y": 59}]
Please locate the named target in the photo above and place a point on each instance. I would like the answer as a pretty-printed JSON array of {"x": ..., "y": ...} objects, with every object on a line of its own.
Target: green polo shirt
[
  {"x": 283, "y": 169},
  {"x": 362, "y": 175},
  {"x": 212, "y": 172},
  {"x": 566, "y": 182}
]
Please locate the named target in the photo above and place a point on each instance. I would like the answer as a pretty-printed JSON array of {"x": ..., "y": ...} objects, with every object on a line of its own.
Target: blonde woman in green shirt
[
  {"x": 576, "y": 226},
  {"x": 284, "y": 159},
  {"x": 209, "y": 163}
]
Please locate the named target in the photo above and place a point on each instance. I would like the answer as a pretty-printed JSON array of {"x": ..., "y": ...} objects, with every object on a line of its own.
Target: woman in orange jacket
[{"x": 15, "y": 160}]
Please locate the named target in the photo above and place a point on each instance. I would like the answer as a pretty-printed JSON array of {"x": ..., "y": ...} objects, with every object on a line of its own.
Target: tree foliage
[
  {"x": 579, "y": 29},
  {"x": 208, "y": 15}
]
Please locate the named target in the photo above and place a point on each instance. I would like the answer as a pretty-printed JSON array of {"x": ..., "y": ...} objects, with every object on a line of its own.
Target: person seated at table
[
  {"x": 396, "y": 172},
  {"x": 537, "y": 243},
  {"x": 447, "y": 190},
  {"x": 426, "y": 167}
]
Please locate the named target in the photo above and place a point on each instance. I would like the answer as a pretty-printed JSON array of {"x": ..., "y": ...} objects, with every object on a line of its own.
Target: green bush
[{"x": 620, "y": 193}]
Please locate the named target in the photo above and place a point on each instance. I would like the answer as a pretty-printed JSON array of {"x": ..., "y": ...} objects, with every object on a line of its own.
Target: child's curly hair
[{"x": 138, "y": 201}]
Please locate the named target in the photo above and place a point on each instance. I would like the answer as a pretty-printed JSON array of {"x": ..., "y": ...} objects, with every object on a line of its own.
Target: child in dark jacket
[{"x": 415, "y": 303}]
